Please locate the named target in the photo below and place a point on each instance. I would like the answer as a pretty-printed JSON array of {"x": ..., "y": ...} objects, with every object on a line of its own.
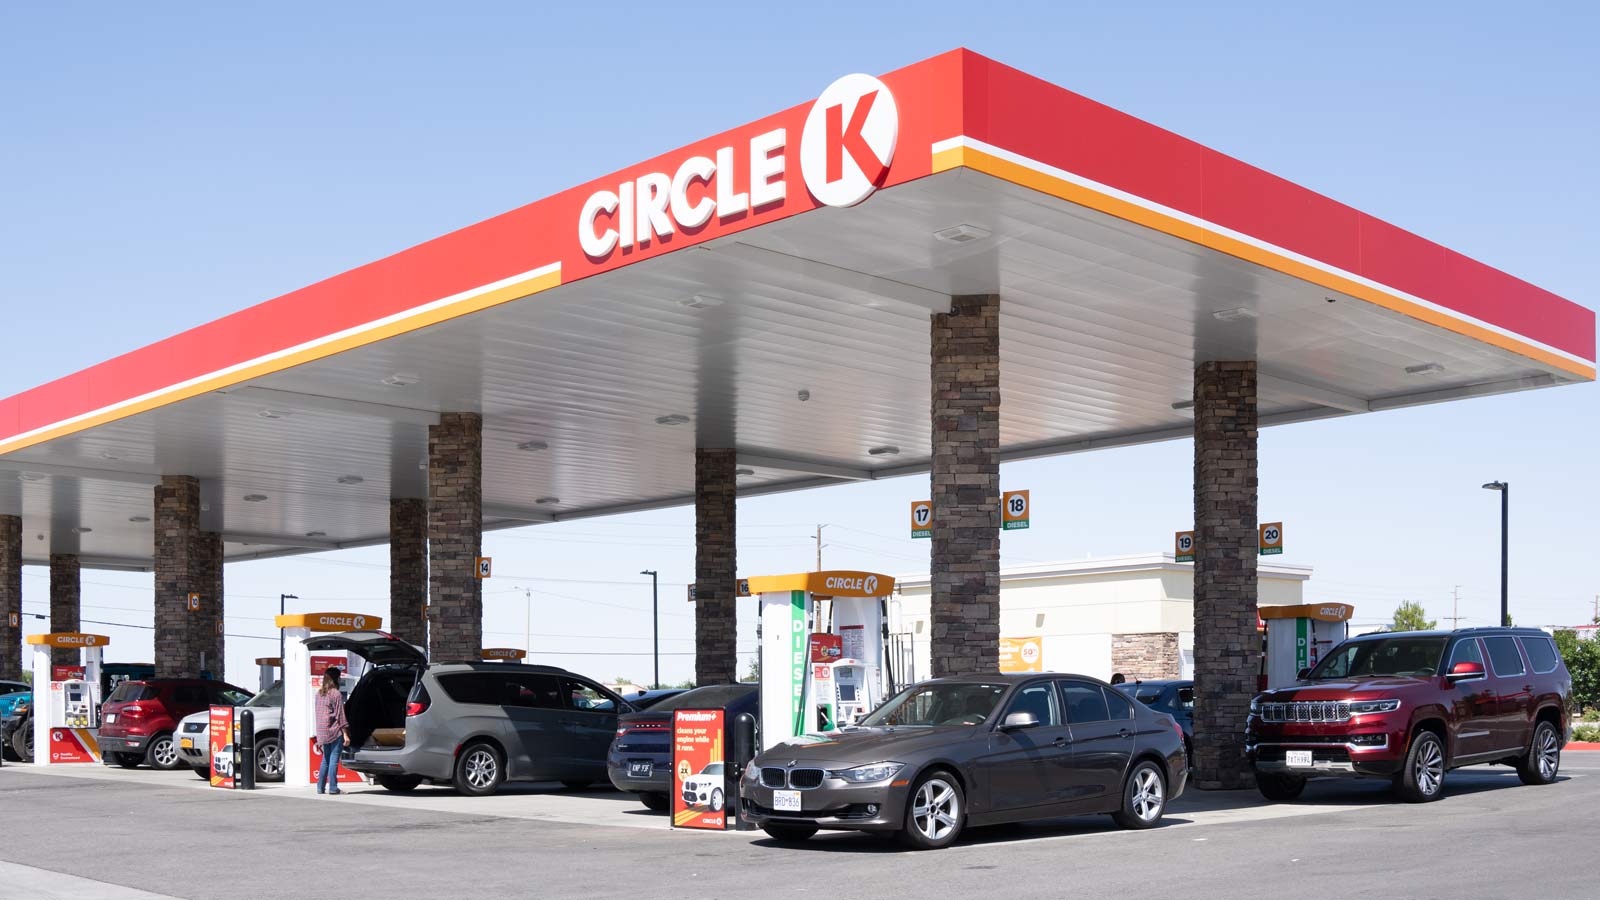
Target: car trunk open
[{"x": 376, "y": 707}]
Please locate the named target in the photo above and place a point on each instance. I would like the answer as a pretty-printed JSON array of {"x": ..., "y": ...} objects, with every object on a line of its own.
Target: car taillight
[
  {"x": 622, "y": 730},
  {"x": 416, "y": 707},
  {"x": 132, "y": 710},
  {"x": 418, "y": 702}
]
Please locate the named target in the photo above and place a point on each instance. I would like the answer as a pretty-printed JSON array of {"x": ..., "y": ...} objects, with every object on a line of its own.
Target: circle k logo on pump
[{"x": 849, "y": 140}]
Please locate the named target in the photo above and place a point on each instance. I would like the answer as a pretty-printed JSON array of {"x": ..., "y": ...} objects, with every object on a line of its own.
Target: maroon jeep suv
[{"x": 1410, "y": 706}]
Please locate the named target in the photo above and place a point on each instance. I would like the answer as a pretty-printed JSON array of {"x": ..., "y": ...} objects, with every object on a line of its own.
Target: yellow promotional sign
[
  {"x": 922, "y": 518},
  {"x": 1014, "y": 510},
  {"x": 1021, "y": 654}
]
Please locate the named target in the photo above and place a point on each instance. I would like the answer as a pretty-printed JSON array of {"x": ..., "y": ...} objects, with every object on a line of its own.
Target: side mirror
[
  {"x": 1303, "y": 674},
  {"x": 1018, "y": 720},
  {"x": 1463, "y": 671}
]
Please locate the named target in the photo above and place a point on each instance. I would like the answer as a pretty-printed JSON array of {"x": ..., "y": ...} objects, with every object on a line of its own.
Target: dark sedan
[
  {"x": 640, "y": 760},
  {"x": 1175, "y": 698},
  {"x": 973, "y": 750}
]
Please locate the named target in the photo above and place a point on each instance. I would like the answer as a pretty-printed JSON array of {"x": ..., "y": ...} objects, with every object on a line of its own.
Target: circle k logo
[
  {"x": 871, "y": 587},
  {"x": 849, "y": 140}
]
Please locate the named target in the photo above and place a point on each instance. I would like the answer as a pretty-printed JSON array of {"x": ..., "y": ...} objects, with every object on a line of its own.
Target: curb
[{"x": 1582, "y": 745}]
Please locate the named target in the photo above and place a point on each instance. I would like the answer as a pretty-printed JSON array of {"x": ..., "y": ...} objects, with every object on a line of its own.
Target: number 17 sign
[{"x": 922, "y": 519}]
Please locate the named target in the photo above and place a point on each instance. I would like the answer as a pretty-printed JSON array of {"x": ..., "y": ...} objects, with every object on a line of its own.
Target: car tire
[
  {"x": 125, "y": 760},
  {"x": 655, "y": 801},
  {"x": 716, "y": 800},
  {"x": 162, "y": 753},
  {"x": 1422, "y": 778},
  {"x": 1280, "y": 788},
  {"x": 22, "y": 741},
  {"x": 576, "y": 784},
  {"x": 205, "y": 774},
  {"x": 788, "y": 834},
  {"x": 936, "y": 811},
  {"x": 1542, "y": 762},
  {"x": 398, "y": 784},
  {"x": 480, "y": 770},
  {"x": 269, "y": 759},
  {"x": 1144, "y": 797}
]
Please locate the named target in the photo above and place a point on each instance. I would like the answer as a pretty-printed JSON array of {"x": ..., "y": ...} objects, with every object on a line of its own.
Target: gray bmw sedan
[{"x": 973, "y": 750}]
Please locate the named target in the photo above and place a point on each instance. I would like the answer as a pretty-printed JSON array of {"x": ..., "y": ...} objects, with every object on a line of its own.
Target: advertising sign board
[
  {"x": 699, "y": 787},
  {"x": 222, "y": 755},
  {"x": 1022, "y": 654}
]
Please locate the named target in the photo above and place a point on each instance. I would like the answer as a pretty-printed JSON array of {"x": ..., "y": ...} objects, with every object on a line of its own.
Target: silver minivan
[{"x": 475, "y": 725}]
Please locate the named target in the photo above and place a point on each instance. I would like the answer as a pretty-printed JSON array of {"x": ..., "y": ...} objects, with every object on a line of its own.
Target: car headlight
[
  {"x": 1255, "y": 704},
  {"x": 878, "y": 771},
  {"x": 1359, "y": 707},
  {"x": 752, "y": 773}
]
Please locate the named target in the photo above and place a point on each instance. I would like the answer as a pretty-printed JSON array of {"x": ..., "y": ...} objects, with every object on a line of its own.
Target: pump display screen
[{"x": 847, "y": 693}]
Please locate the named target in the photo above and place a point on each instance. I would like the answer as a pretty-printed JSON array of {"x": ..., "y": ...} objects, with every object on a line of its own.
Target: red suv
[
  {"x": 1410, "y": 706},
  {"x": 138, "y": 719}
]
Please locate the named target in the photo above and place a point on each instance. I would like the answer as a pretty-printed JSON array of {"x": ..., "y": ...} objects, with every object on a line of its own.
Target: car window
[
  {"x": 190, "y": 695},
  {"x": 1084, "y": 702},
  {"x": 272, "y": 696},
  {"x": 1503, "y": 656},
  {"x": 1038, "y": 699},
  {"x": 1382, "y": 656},
  {"x": 1186, "y": 698},
  {"x": 1149, "y": 696},
  {"x": 1119, "y": 707},
  {"x": 1466, "y": 651},
  {"x": 586, "y": 697},
  {"x": 534, "y": 692},
  {"x": 1541, "y": 654},
  {"x": 933, "y": 704},
  {"x": 231, "y": 697},
  {"x": 475, "y": 687},
  {"x": 131, "y": 691}
]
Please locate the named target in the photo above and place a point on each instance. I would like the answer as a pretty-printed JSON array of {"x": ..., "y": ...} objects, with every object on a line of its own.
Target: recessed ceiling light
[
  {"x": 350, "y": 479},
  {"x": 546, "y": 501},
  {"x": 961, "y": 234},
  {"x": 533, "y": 445},
  {"x": 254, "y": 498},
  {"x": 1425, "y": 369},
  {"x": 673, "y": 419},
  {"x": 744, "y": 471},
  {"x": 1233, "y": 315},
  {"x": 885, "y": 450},
  {"x": 272, "y": 414},
  {"x": 138, "y": 520},
  {"x": 81, "y": 530},
  {"x": 1183, "y": 404},
  {"x": 700, "y": 301},
  {"x": 401, "y": 379},
  {"x": 315, "y": 534}
]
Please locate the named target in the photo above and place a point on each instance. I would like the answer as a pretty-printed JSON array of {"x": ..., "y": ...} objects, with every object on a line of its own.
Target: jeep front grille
[{"x": 1306, "y": 711}]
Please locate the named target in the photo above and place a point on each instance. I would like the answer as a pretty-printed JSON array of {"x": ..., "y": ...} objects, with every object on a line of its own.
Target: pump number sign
[
  {"x": 1014, "y": 510},
  {"x": 922, "y": 519},
  {"x": 1184, "y": 547},
  {"x": 1271, "y": 538},
  {"x": 485, "y": 566}
]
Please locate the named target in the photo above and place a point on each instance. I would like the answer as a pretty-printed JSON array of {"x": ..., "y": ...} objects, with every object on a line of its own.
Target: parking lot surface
[{"x": 92, "y": 832}]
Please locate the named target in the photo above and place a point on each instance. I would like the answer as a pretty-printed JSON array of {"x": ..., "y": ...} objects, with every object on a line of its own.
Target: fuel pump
[
  {"x": 1298, "y": 637},
  {"x": 815, "y": 680},
  {"x": 301, "y": 669},
  {"x": 66, "y": 718}
]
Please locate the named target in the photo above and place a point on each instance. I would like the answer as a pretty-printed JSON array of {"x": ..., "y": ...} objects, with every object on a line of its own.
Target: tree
[
  {"x": 1583, "y": 662},
  {"x": 1410, "y": 616},
  {"x": 754, "y": 672}
]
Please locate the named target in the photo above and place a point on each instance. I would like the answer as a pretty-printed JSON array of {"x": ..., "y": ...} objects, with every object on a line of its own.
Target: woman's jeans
[{"x": 328, "y": 772}]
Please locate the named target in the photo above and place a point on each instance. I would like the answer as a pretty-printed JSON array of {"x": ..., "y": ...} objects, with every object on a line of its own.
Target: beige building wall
[{"x": 1077, "y": 607}]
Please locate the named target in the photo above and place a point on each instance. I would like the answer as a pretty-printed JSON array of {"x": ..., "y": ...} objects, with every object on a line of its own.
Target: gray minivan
[{"x": 475, "y": 725}]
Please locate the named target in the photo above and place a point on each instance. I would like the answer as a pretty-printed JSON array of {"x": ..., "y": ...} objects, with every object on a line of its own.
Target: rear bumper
[
  {"x": 437, "y": 765},
  {"x": 658, "y": 782},
  {"x": 133, "y": 743}
]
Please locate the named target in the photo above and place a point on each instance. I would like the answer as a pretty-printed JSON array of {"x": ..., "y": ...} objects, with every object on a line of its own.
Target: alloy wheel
[
  {"x": 1148, "y": 796},
  {"x": 936, "y": 809},
  {"x": 269, "y": 760},
  {"x": 482, "y": 768},
  {"x": 1430, "y": 769},
  {"x": 164, "y": 753},
  {"x": 1549, "y": 753}
]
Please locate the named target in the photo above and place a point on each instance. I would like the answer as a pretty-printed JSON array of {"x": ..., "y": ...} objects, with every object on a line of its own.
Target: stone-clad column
[
  {"x": 455, "y": 537},
  {"x": 408, "y": 570},
  {"x": 178, "y": 573},
  {"x": 715, "y": 567},
  {"x": 66, "y": 598},
  {"x": 1227, "y": 648},
  {"x": 206, "y": 629},
  {"x": 965, "y": 564},
  {"x": 11, "y": 662}
]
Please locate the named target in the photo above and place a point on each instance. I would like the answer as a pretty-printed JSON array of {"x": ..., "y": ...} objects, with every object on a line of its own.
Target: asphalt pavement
[{"x": 148, "y": 835}]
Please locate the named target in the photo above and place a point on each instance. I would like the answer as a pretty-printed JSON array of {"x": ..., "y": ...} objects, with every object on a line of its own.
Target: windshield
[
  {"x": 712, "y": 696},
  {"x": 1415, "y": 656},
  {"x": 713, "y": 769},
  {"x": 272, "y": 696},
  {"x": 938, "y": 704}
]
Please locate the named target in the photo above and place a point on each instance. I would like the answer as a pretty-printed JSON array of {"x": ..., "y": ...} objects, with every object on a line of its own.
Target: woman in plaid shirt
[{"x": 332, "y": 730}]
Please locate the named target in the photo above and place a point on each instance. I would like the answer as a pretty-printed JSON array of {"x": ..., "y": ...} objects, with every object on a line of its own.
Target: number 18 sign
[{"x": 1014, "y": 510}]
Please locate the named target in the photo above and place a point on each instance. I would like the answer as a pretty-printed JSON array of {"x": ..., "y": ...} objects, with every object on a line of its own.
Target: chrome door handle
[
  {"x": 1124, "y": 733},
  {"x": 1060, "y": 742}
]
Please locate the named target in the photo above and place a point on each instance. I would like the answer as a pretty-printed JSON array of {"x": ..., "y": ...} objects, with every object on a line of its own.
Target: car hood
[
  {"x": 1337, "y": 689},
  {"x": 865, "y": 745}
]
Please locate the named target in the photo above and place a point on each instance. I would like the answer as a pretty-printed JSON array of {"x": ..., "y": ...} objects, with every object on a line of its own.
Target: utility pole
[
  {"x": 820, "y": 545},
  {"x": 527, "y": 621},
  {"x": 1455, "y": 607},
  {"x": 655, "y": 623}
]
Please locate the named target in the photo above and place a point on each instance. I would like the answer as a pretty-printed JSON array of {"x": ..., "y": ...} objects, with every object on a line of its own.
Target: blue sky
[{"x": 162, "y": 166}]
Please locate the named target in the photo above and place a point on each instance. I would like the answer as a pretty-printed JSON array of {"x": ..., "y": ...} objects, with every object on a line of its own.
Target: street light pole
[
  {"x": 1504, "y": 488},
  {"x": 655, "y": 624},
  {"x": 281, "y": 610}
]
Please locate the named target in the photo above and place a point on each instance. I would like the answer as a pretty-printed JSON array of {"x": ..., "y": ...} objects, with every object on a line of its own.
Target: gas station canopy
[{"x": 768, "y": 289}]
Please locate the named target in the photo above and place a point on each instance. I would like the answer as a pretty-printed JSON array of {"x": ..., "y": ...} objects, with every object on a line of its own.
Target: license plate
[
  {"x": 1298, "y": 758},
  {"x": 111, "y": 717},
  {"x": 187, "y": 743},
  {"x": 640, "y": 769},
  {"x": 786, "y": 801}
]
